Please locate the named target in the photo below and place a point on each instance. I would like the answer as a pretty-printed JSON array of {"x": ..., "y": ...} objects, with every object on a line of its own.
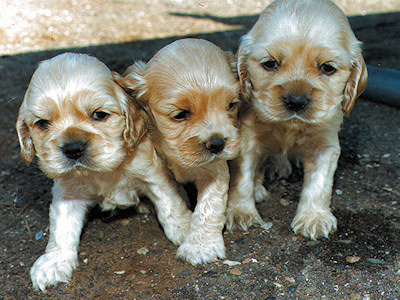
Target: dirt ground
[{"x": 360, "y": 261}]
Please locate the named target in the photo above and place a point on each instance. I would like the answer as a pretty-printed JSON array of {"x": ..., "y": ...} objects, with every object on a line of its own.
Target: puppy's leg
[
  {"x": 145, "y": 207},
  {"x": 172, "y": 212},
  {"x": 241, "y": 210},
  {"x": 278, "y": 166},
  {"x": 260, "y": 192},
  {"x": 61, "y": 258},
  {"x": 205, "y": 242},
  {"x": 314, "y": 218}
]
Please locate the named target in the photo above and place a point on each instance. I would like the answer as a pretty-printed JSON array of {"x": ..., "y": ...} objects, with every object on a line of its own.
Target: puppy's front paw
[
  {"x": 260, "y": 193},
  {"x": 242, "y": 216},
  {"x": 53, "y": 267},
  {"x": 145, "y": 208},
  {"x": 278, "y": 167},
  {"x": 314, "y": 224},
  {"x": 178, "y": 230},
  {"x": 201, "y": 252}
]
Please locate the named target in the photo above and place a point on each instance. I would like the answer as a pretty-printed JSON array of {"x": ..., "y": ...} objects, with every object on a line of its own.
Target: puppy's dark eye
[
  {"x": 42, "y": 124},
  {"x": 233, "y": 105},
  {"x": 182, "y": 115},
  {"x": 100, "y": 115},
  {"x": 270, "y": 65},
  {"x": 327, "y": 69}
]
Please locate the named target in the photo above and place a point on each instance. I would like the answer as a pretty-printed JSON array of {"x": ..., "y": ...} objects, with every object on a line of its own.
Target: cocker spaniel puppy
[
  {"x": 300, "y": 68},
  {"x": 92, "y": 140},
  {"x": 190, "y": 92}
]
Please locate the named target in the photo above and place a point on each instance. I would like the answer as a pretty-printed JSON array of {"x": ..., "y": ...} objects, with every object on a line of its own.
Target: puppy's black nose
[
  {"x": 215, "y": 145},
  {"x": 296, "y": 103},
  {"x": 74, "y": 150}
]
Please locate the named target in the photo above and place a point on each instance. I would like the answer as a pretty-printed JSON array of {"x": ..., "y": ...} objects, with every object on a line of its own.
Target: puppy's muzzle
[
  {"x": 296, "y": 103},
  {"x": 215, "y": 145},
  {"x": 74, "y": 150}
]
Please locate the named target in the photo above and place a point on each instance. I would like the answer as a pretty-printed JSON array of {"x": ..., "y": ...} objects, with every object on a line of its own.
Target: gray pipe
[{"x": 383, "y": 86}]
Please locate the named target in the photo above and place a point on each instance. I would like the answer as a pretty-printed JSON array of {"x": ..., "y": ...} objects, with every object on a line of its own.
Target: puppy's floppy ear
[
  {"x": 133, "y": 80},
  {"x": 136, "y": 125},
  {"x": 242, "y": 58},
  {"x": 231, "y": 58},
  {"x": 356, "y": 83},
  {"x": 24, "y": 137}
]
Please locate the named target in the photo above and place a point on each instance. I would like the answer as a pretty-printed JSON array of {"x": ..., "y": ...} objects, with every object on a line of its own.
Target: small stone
[
  {"x": 290, "y": 279},
  {"x": 312, "y": 243},
  {"x": 120, "y": 272},
  {"x": 235, "y": 271},
  {"x": 284, "y": 202},
  {"x": 211, "y": 273},
  {"x": 231, "y": 263},
  {"x": 376, "y": 261},
  {"x": 338, "y": 192},
  {"x": 266, "y": 226},
  {"x": 352, "y": 259},
  {"x": 296, "y": 238},
  {"x": 143, "y": 271},
  {"x": 143, "y": 251},
  {"x": 355, "y": 296},
  {"x": 39, "y": 235},
  {"x": 347, "y": 242},
  {"x": 141, "y": 282},
  {"x": 85, "y": 261},
  {"x": 249, "y": 260},
  {"x": 125, "y": 222}
]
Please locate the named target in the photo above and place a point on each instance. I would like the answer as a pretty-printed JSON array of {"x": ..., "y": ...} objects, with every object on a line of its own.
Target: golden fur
[
  {"x": 91, "y": 139},
  {"x": 190, "y": 92},
  {"x": 300, "y": 67}
]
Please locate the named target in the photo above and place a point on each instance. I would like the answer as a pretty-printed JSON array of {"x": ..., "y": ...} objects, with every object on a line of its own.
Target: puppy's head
[
  {"x": 75, "y": 118},
  {"x": 301, "y": 62},
  {"x": 190, "y": 91}
]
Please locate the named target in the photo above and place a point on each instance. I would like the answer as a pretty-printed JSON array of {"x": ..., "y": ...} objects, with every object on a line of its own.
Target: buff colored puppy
[
  {"x": 92, "y": 141},
  {"x": 300, "y": 68},
  {"x": 190, "y": 93}
]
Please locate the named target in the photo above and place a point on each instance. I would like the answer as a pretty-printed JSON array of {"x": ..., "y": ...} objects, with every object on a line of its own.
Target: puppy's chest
[
  {"x": 112, "y": 192},
  {"x": 283, "y": 140},
  {"x": 183, "y": 175}
]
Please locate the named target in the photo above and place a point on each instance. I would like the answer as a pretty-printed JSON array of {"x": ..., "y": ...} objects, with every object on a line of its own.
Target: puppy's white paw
[
  {"x": 53, "y": 267},
  {"x": 242, "y": 216},
  {"x": 178, "y": 230},
  {"x": 145, "y": 208},
  {"x": 260, "y": 193},
  {"x": 197, "y": 252},
  {"x": 279, "y": 166},
  {"x": 314, "y": 224}
]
